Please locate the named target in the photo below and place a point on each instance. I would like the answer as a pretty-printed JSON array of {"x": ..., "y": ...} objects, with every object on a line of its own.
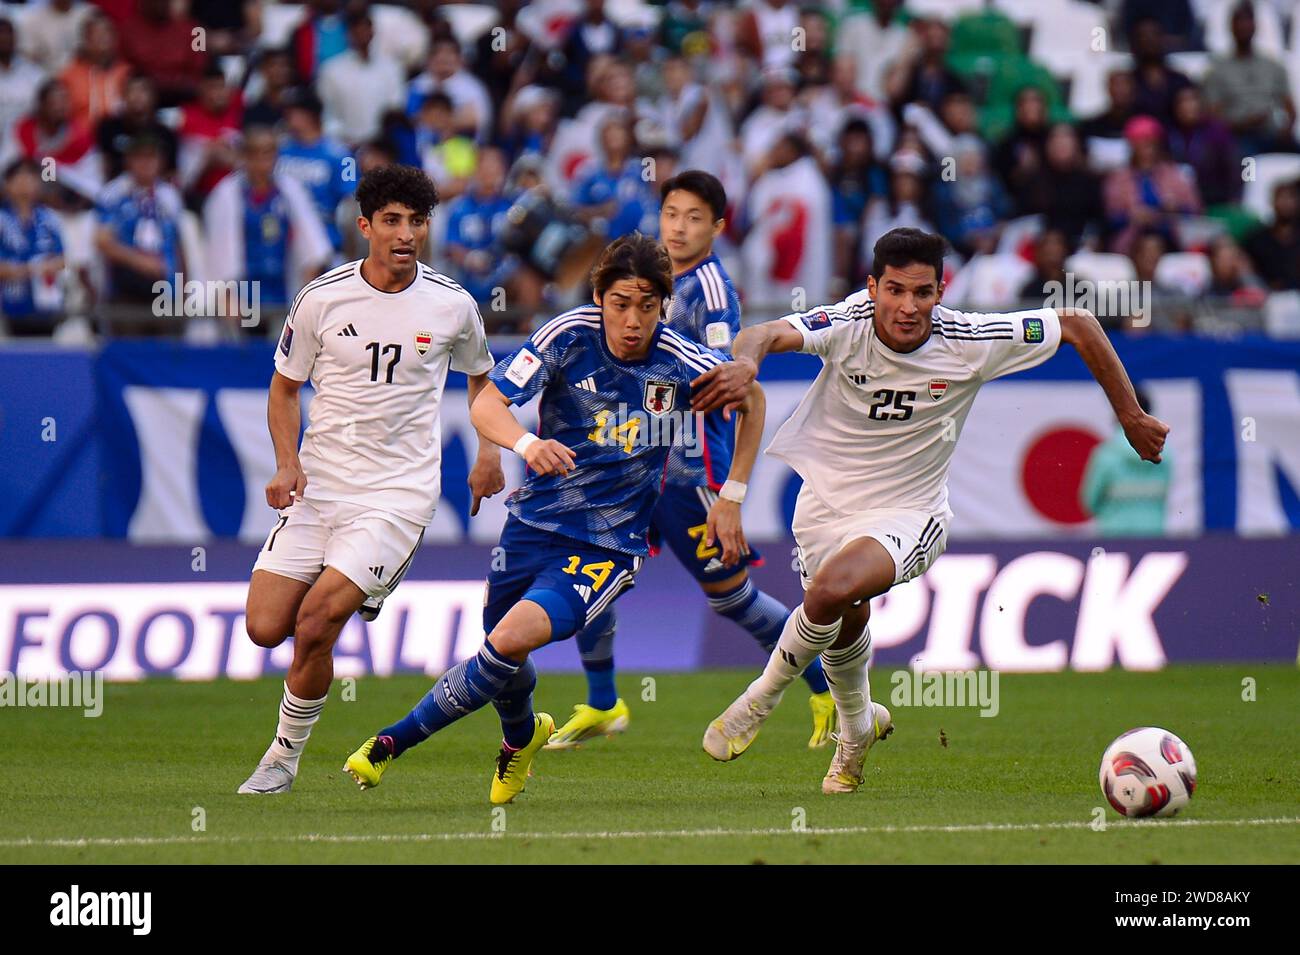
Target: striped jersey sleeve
[
  {"x": 694, "y": 359},
  {"x": 524, "y": 373},
  {"x": 997, "y": 344},
  {"x": 820, "y": 326}
]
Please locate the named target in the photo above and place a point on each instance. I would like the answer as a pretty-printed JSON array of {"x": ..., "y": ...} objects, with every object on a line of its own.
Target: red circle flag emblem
[{"x": 1052, "y": 472}]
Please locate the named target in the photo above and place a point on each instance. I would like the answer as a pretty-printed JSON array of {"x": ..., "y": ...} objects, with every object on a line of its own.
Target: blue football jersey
[
  {"x": 706, "y": 309},
  {"x": 620, "y": 418}
]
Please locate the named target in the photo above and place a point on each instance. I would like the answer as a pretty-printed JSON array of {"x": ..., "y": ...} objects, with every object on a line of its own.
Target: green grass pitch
[{"x": 1020, "y": 787}]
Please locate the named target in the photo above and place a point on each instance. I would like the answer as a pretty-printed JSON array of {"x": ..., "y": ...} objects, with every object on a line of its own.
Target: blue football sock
[
  {"x": 460, "y": 691},
  {"x": 596, "y": 647},
  {"x": 514, "y": 705},
  {"x": 764, "y": 617}
]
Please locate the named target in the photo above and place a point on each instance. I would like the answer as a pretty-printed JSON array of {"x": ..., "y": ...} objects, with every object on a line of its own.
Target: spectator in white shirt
[
  {"x": 357, "y": 89},
  {"x": 20, "y": 79},
  {"x": 446, "y": 73},
  {"x": 49, "y": 33},
  {"x": 874, "y": 41}
]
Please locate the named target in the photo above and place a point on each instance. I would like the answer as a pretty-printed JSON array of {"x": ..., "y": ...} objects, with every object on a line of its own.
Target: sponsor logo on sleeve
[
  {"x": 286, "y": 340},
  {"x": 717, "y": 335},
  {"x": 1033, "y": 330},
  {"x": 815, "y": 320},
  {"x": 522, "y": 367}
]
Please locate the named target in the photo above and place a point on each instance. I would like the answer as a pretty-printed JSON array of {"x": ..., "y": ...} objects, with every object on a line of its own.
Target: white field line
[{"x": 310, "y": 837}]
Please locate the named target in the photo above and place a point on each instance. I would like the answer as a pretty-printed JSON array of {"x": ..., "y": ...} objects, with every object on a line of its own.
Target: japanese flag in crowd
[{"x": 1019, "y": 464}]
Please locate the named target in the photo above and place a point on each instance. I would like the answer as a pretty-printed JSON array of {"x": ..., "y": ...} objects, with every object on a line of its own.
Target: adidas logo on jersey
[
  {"x": 378, "y": 571},
  {"x": 858, "y": 379},
  {"x": 583, "y": 591},
  {"x": 713, "y": 566},
  {"x": 347, "y": 331},
  {"x": 897, "y": 542},
  {"x": 588, "y": 384}
]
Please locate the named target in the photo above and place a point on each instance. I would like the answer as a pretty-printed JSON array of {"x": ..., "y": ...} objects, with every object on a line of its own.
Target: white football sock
[
  {"x": 846, "y": 675},
  {"x": 297, "y": 717},
  {"x": 801, "y": 641}
]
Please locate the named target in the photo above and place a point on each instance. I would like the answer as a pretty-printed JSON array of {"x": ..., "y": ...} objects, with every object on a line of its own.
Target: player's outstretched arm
[
  {"x": 726, "y": 385},
  {"x": 490, "y": 414},
  {"x": 1080, "y": 328},
  {"x": 485, "y": 477},
  {"x": 724, "y": 525},
  {"x": 284, "y": 418}
]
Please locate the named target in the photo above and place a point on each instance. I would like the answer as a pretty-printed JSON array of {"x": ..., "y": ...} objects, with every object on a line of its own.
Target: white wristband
[
  {"x": 733, "y": 491},
  {"x": 523, "y": 443}
]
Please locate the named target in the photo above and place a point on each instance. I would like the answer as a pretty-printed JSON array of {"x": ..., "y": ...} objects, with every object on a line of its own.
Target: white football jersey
[
  {"x": 378, "y": 362},
  {"x": 877, "y": 427}
]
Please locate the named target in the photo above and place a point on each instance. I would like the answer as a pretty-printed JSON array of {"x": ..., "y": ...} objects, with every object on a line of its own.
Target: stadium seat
[
  {"x": 1101, "y": 267},
  {"x": 1026, "y": 13},
  {"x": 1270, "y": 169},
  {"x": 279, "y": 20},
  {"x": 1282, "y": 315},
  {"x": 1189, "y": 272},
  {"x": 469, "y": 21},
  {"x": 1062, "y": 42},
  {"x": 633, "y": 13},
  {"x": 1268, "y": 28},
  {"x": 1088, "y": 75},
  {"x": 1194, "y": 63},
  {"x": 990, "y": 281},
  {"x": 400, "y": 35},
  {"x": 946, "y": 10}
]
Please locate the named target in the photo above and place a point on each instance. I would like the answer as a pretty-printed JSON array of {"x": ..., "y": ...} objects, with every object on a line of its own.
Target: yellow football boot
[
  {"x": 587, "y": 722},
  {"x": 823, "y": 712},
  {"x": 368, "y": 763},
  {"x": 513, "y": 765}
]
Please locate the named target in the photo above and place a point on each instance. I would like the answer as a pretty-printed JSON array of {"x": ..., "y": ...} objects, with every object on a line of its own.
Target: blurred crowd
[{"x": 1055, "y": 143}]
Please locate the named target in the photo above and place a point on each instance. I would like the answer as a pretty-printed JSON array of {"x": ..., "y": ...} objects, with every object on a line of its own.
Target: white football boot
[
  {"x": 845, "y": 774},
  {"x": 269, "y": 777},
  {"x": 731, "y": 733}
]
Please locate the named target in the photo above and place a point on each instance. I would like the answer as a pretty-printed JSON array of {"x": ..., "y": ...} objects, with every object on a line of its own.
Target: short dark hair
[
  {"x": 437, "y": 98},
  {"x": 633, "y": 256},
  {"x": 22, "y": 164},
  {"x": 404, "y": 185},
  {"x": 904, "y": 247},
  {"x": 698, "y": 183}
]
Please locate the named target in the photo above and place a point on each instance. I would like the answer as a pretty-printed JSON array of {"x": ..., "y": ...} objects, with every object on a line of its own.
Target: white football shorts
[
  {"x": 913, "y": 538},
  {"x": 373, "y": 549}
]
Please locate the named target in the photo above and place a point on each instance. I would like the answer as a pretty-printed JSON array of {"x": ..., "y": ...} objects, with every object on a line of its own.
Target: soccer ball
[{"x": 1148, "y": 772}]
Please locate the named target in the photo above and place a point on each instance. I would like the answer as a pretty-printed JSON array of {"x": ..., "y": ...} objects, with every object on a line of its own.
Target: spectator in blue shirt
[
  {"x": 476, "y": 220},
  {"x": 324, "y": 167},
  {"x": 138, "y": 218},
  {"x": 614, "y": 192},
  {"x": 31, "y": 254}
]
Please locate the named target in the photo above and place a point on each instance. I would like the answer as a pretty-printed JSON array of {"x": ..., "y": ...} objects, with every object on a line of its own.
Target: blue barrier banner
[
  {"x": 159, "y": 442},
  {"x": 136, "y": 612}
]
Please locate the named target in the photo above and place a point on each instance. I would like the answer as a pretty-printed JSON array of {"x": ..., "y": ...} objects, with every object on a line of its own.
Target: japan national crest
[
  {"x": 938, "y": 388},
  {"x": 659, "y": 397},
  {"x": 423, "y": 341}
]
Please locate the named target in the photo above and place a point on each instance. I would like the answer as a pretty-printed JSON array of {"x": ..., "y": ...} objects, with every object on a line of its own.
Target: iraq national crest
[
  {"x": 660, "y": 397},
  {"x": 423, "y": 342},
  {"x": 938, "y": 388}
]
